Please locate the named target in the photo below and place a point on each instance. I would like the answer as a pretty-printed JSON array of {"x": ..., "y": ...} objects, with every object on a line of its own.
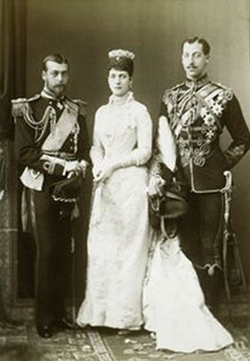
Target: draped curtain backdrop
[
  {"x": 12, "y": 59},
  {"x": 12, "y": 84}
]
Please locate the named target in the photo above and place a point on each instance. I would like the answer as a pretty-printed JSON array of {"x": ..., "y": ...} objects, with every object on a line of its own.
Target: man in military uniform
[
  {"x": 51, "y": 143},
  {"x": 192, "y": 117}
]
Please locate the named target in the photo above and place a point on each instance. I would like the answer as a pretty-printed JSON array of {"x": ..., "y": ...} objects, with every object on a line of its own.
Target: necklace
[{"x": 121, "y": 100}]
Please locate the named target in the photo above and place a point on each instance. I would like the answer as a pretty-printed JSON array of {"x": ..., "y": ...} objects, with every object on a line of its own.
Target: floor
[{"x": 20, "y": 342}]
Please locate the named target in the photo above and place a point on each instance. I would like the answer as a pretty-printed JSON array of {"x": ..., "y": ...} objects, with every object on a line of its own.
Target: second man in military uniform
[{"x": 196, "y": 112}]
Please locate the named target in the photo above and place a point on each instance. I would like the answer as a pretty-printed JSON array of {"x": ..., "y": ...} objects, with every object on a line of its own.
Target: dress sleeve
[
  {"x": 97, "y": 150},
  {"x": 164, "y": 151},
  {"x": 165, "y": 144},
  {"x": 142, "y": 153}
]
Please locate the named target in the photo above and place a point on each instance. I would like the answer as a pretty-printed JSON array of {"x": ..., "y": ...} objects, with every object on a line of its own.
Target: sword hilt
[{"x": 229, "y": 181}]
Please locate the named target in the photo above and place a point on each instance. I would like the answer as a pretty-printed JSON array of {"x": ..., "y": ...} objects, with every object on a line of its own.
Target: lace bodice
[{"x": 122, "y": 133}]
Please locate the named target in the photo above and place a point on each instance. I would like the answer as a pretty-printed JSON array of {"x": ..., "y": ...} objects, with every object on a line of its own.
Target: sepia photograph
[{"x": 124, "y": 180}]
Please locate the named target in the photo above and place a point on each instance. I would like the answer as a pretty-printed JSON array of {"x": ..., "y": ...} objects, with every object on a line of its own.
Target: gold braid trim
[
  {"x": 35, "y": 124},
  {"x": 20, "y": 107}
]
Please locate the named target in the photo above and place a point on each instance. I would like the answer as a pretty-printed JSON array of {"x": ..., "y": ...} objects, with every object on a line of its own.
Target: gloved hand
[
  {"x": 156, "y": 185},
  {"x": 72, "y": 166}
]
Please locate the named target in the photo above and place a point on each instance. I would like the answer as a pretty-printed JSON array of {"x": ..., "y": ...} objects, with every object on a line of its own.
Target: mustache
[{"x": 60, "y": 86}]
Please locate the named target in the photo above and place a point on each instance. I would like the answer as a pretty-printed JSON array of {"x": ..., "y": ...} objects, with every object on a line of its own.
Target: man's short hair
[
  {"x": 56, "y": 58},
  {"x": 205, "y": 45}
]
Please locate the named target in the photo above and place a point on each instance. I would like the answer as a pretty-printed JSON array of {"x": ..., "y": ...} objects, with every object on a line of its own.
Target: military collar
[
  {"x": 197, "y": 83},
  {"x": 50, "y": 96}
]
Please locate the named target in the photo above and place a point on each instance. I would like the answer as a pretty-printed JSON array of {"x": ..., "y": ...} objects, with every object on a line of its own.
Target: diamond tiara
[{"x": 120, "y": 53}]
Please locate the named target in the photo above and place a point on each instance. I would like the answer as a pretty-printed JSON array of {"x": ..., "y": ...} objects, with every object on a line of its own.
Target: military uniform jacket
[
  {"x": 35, "y": 120},
  {"x": 197, "y": 113}
]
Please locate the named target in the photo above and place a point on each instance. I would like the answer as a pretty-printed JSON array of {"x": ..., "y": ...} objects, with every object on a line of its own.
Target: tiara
[{"x": 119, "y": 53}]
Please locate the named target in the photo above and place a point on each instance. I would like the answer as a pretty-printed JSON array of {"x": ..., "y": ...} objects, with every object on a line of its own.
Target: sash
[
  {"x": 182, "y": 122},
  {"x": 34, "y": 179},
  {"x": 206, "y": 93},
  {"x": 63, "y": 127}
]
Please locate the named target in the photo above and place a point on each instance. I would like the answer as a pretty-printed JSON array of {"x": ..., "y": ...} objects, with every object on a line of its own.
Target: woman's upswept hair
[{"x": 120, "y": 59}]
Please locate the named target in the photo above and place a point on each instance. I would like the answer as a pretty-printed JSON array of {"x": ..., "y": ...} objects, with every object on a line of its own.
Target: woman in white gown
[
  {"x": 119, "y": 227},
  {"x": 174, "y": 305}
]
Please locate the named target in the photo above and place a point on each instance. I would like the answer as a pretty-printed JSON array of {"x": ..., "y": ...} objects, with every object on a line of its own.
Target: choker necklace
[{"x": 121, "y": 100}]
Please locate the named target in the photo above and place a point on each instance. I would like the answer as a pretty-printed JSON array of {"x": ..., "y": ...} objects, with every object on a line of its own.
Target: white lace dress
[
  {"x": 174, "y": 305},
  {"x": 119, "y": 229}
]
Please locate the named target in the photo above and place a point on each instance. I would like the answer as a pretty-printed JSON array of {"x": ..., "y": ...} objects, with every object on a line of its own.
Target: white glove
[
  {"x": 156, "y": 185},
  {"x": 71, "y": 166}
]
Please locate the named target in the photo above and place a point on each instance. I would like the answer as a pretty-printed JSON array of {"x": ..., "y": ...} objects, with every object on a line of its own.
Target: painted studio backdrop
[{"x": 85, "y": 30}]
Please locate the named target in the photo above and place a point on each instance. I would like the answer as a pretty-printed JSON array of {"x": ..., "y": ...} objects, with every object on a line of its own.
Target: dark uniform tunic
[
  {"x": 35, "y": 119},
  {"x": 197, "y": 112}
]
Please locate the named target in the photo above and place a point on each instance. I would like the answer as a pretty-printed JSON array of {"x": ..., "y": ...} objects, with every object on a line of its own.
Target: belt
[{"x": 61, "y": 155}]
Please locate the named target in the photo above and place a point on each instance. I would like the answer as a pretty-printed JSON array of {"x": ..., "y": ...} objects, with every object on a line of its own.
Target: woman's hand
[{"x": 103, "y": 171}]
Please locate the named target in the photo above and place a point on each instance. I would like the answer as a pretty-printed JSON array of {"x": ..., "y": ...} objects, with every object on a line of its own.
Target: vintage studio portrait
[{"x": 124, "y": 180}]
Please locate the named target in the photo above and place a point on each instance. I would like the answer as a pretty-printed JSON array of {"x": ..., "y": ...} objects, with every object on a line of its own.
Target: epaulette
[
  {"x": 177, "y": 86},
  {"x": 219, "y": 85},
  {"x": 227, "y": 91},
  {"x": 171, "y": 91},
  {"x": 21, "y": 106},
  {"x": 82, "y": 106}
]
